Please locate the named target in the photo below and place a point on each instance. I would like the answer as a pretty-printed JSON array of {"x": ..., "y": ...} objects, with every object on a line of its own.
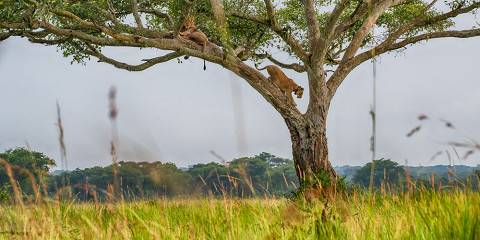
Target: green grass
[{"x": 422, "y": 216}]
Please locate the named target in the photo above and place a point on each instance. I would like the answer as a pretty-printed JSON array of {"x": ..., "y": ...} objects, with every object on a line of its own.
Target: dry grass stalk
[
  {"x": 15, "y": 187},
  {"x": 113, "y": 113},
  {"x": 33, "y": 182},
  {"x": 61, "y": 141},
  {"x": 414, "y": 130},
  {"x": 422, "y": 117}
]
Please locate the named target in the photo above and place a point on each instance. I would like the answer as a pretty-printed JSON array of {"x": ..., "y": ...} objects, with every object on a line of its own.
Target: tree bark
[{"x": 310, "y": 154}]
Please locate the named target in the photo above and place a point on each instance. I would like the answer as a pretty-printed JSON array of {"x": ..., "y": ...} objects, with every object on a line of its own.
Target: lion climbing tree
[{"x": 316, "y": 35}]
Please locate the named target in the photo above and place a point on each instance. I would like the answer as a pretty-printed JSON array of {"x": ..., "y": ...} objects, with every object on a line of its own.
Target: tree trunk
[{"x": 310, "y": 154}]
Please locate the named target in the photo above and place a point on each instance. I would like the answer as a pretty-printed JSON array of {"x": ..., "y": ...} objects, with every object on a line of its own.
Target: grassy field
[{"x": 420, "y": 216}]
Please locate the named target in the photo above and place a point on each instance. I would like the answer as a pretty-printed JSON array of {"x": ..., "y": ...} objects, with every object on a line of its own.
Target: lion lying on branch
[{"x": 190, "y": 32}]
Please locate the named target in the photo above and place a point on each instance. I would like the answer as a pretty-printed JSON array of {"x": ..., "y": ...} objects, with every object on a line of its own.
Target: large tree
[{"x": 336, "y": 34}]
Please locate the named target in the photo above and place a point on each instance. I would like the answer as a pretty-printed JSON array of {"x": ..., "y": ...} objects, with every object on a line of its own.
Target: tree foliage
[
  {"x": 386, "y": 173},
  {"x": 80, "y": 26},
  {"x": 27, "y": 167},
  {"x": 137, "y": 180},
  {"x": 260, "y": 175}
]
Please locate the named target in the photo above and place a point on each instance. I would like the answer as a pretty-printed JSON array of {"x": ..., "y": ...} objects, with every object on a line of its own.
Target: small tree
[
  {"x": 317, "y": 34},
  {"x": 27, "y": 166}
]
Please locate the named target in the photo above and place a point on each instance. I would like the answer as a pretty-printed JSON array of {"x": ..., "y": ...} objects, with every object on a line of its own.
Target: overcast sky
[{"x": 179, "y": 113}]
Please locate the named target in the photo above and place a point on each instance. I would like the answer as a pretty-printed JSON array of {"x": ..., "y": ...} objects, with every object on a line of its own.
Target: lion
[
  {"x": 188, "y": 25},
  {"x": 189, "y": 31},
  {"x": 286, "y": 84}
]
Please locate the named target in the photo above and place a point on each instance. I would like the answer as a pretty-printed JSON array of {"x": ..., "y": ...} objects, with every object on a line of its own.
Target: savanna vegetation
[
  {"x": 259, "y": 197},
  {"x": 263, "y": 175},
  {"x": 419, "y": 215},
  {"x": 247, "y": 197}
]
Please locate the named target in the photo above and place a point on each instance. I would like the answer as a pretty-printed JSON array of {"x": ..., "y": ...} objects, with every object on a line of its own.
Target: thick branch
[
  {"x": 221, "y": 22},
  {"x": 212, "y": 53},
  {"x": 359, "y": 13},
  {"x": 75, "y": 18},
  {"x": 270, "y": 12},
  {"x": 389, "y": 43},
  {"x": 291, "y": 42},
  {"x": 219, "y": 13},
  {"x": 293, "y": 66},
  {"x": 314, "y": 39},
  {"x": 23, "y": 33},
  {"x": 423, "y": 20},
  {"x": 337, "y": 78},
  {"x": 333, "y": 19},
  {"x": 367, "y": 26},
  {"x": 88, "y": 37},
  {"x": 427, "y": 36},
  {"x": 51, "y": 42},
  {"x": 110, "y": 7},
  {"x": 133, "y": 68},
  {"x": 136, "y": 15}
]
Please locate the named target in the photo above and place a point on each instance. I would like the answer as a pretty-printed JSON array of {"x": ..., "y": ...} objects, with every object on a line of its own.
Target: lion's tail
[{"x": 260, "y": 69}]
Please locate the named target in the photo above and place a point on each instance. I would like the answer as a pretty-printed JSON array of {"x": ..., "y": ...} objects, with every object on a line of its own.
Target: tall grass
[
  {"x": 411, "y": 214},
  {"x": 425, "y": 215}
]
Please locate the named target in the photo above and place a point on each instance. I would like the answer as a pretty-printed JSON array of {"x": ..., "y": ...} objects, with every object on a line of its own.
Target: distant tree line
[
  {"x": 257, "y": 176},
  {"x": 260, "y": 175}
]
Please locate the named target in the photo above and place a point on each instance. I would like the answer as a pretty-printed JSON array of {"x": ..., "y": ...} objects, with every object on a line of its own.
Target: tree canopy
[
  {"x": 327, "y": 31},
  {"x": 385, "y": 172},
  {"x": 316, "y": 34},
  {"x": 26, "y": 167}
]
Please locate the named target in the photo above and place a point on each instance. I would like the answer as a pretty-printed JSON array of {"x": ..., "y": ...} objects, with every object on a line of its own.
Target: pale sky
[{"x": 179, "y": 113}]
